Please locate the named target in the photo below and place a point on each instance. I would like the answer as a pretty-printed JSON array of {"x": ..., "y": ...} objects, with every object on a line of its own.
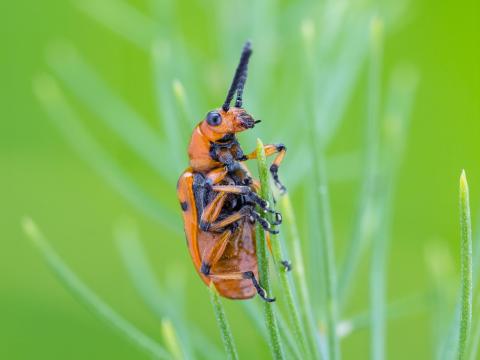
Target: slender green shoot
[
  {"x": 125, "y": 121},
  {"x": 158, "y": 300},
  {"x": 270, "y": 319},
  {"x": 86, "y": 296},
  {"x": 255, "y": 315},
  {"x": 466, "y": 268},
  {"x": 322, "y": 199},
  {"x": 121, "y": 18},
  {"x": 287, "y": 289},
  {"x": 362, "y": 228},
  {"x": 66, "y": 120},
  {"x": 379, "y": 249},
  {"x": 171, "y": 340},
  {"x": 408, "y": 306},
  {"x": 474, "y": 341},
  {"x": 227, "y": 337},
  {"x": 299, "y": 273}
]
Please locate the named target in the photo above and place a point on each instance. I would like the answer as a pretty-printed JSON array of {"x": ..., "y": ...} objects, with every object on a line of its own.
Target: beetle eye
[{"x": 214, "y": 118}]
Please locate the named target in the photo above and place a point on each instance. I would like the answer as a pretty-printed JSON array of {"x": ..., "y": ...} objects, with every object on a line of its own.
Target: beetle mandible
[{"x": 218, "y": 197}]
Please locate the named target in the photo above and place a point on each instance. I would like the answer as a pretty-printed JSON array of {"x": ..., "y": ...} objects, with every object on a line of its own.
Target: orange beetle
[{"x": 218, "y": 197}]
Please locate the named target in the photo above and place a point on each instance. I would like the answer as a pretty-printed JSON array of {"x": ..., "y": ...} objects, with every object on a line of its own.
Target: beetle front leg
[{"x": 271, "y": 149}]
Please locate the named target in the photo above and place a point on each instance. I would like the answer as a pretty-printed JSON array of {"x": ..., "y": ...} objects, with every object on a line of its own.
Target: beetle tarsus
[
  {"x": 264, "y": 223},
  {"x": 278, "y": 218},
  {"x": 260, "y": 291},
  {"x": 205, "y": 268},
  {"x": 287, "y": 265},
  {"x": 276, "y": 180}
]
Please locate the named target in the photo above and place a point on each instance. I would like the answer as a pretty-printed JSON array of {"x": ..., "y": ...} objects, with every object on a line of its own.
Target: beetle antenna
[
  {"x": 240, "y": 73},
  {"x": 241, "y": 84}
]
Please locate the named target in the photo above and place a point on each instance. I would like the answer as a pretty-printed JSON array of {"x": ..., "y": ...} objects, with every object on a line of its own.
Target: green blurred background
[{"x": 41, "y": 176}]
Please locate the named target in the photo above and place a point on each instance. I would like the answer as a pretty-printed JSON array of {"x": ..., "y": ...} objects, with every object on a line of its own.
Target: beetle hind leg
[
  {"x": 248, "y": 275},
  {"x": 260, "y": 291}
]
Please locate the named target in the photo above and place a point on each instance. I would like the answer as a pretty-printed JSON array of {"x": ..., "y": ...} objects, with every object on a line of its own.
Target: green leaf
[
  {"x": 87, "y": 297},
  {"x": 466, "y": 294},
  {"x": 67, "y": 122},
  {"x": 270, "y": 319},
  {"x": 227, "y": 337}
]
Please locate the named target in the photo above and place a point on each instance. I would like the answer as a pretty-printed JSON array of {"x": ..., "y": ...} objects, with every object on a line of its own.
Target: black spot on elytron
[
  {"x": 205, "y": 268},
  {"x": 184, "y": 205}
]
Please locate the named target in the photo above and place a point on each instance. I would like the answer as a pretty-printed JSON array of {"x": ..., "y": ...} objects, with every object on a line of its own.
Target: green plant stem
[
  {"x": 322, "y": 203},
  {"x": 474, "y": 341},
  {"x": 171, "y": 340},
  {"x": 362, "y": 224},
  {"x": 66, "y": 120},
  {"x": 466, "y": 268},
  {"x": 222, "y": 322},
  {"x": 254, "y": 313},
  {"x": 159, "y": 300},
  {"x": 380, "y": 237},
  {"x": 407, "y": 306},
  {"x": 271, "y": 321},
  {"x": 299, "y": 273},
  {"x": 287, "y": 293},
  {"x": 86, "y": 296}
]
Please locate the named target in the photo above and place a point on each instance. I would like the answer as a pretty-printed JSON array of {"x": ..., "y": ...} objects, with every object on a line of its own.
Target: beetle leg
[
  {"x": 215, "y": 253},
  {"x": 216, "y": 175},
  {"x": 271, "y": 149},
  {"x": 246, "y": 210},
  {"x": 243, "y": 212},
  {"x": 287, "y": 265},
  {"x": 243, "y": 275},
  {"x": 211, "y": 211},
  {"x": 241, "y": 189},
  {"x": 264, "y": 223}
]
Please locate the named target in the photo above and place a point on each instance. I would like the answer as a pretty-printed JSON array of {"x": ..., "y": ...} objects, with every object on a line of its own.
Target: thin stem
[
  {"x": 299, "y": 273},
  {"x": 66, "y": 120},
  {"x": 287, "y": 292},
  {"x": 362, "y": 225},
  {"x": 87, "y": 297},
  {"x": 407, "y": 306},
  {"x": 380, "y": 246},
  {"x": 171, "y": 340},
  {"x": 466, "y": 268},
  {"x": 321, "y": 193},
  {"x": 270, "y": 319},
  {"x": 253, "y": 312},
  {"x": 159, "y": 300},
  {"x": 474, "y": 341},
  {"x": 222, "y": 322}
]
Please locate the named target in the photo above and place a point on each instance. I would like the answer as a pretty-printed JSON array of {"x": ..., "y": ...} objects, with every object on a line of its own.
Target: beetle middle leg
[
  {"x": 251, "y": 195},
  {"x": 246, "y": 211}
]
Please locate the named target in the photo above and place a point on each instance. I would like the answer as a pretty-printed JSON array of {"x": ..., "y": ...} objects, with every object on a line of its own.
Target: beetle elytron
[{"x": 218, "y": 197}]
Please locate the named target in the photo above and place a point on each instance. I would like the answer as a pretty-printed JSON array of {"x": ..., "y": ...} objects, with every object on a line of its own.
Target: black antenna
[
  {"x": 241, "y": 84},
  {"x": 239, "y": 78}
]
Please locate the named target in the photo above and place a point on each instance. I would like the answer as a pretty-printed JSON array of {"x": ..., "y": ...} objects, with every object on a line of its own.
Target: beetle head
[{"x": 228, "y": 120}]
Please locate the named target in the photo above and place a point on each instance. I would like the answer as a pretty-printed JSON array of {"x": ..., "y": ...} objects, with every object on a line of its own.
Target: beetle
[{"x": 219, "y": 197}]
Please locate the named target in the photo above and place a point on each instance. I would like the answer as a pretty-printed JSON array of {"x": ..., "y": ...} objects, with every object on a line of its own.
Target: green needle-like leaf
[
  {"x": 270, "y": 319},
  {"x": 171, "y": 340},
  {"x": 86, "y": 296},
  {"x": 466, "y": 268},
  {"x": 227, "y": 337}
]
